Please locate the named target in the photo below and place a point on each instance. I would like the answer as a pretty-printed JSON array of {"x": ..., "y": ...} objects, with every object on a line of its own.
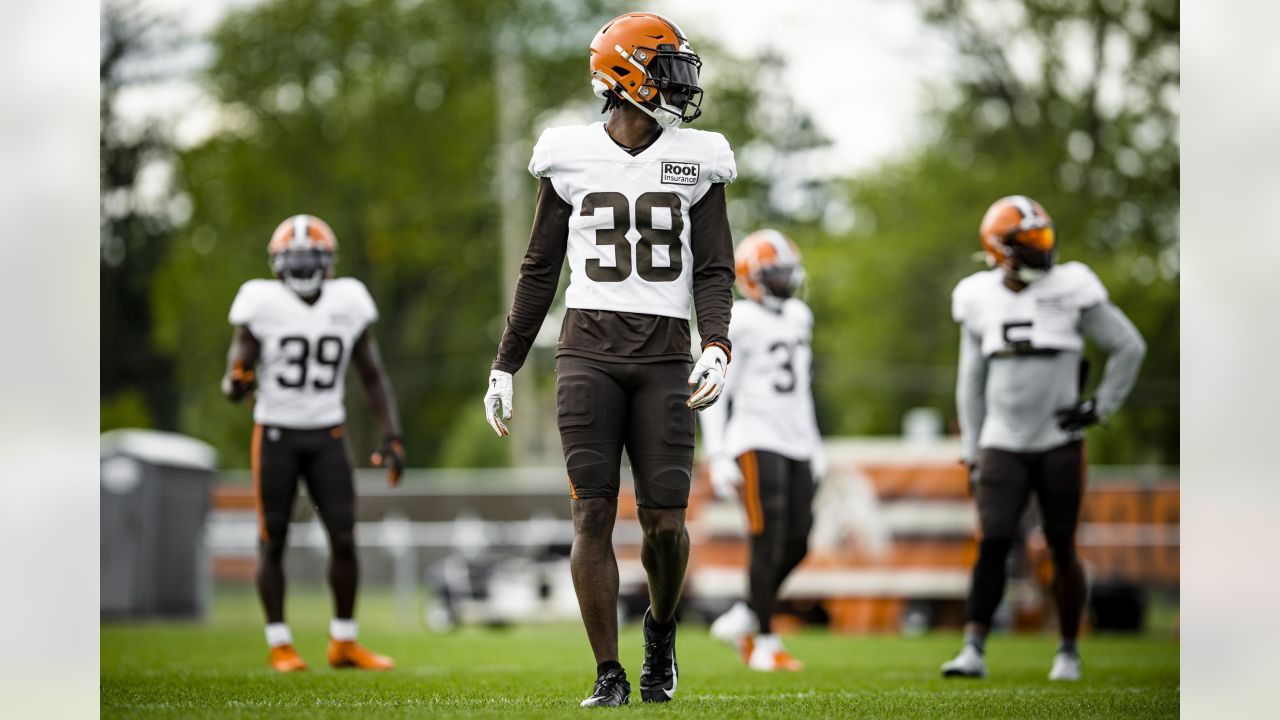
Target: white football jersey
[
  {"x": 305, "y": 349},
  {"x": 768, "y": 393},
  {"x": 1045, "y": 316},
  {"x": 629, "y": 237}
]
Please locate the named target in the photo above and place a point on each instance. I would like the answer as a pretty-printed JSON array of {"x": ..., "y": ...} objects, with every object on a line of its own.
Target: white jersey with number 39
[
  {"x": 304, "y": 349},
  {"x": 629, "y": 237}
]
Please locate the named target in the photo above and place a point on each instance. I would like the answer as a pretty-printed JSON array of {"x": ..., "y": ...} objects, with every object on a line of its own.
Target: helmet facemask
[
  {"x": 780, "y": 282},
  {"x": 673, "y": 76},
  {"x": 1030, "y": 253},
  {"x": 303, "y": 270}
]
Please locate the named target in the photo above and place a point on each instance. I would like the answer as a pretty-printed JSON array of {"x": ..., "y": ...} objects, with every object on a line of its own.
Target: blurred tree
[
  {"x": 137, "y": 223},
  {"x": 380, "y": 118},
  {"x": 1073, "y": 102}
]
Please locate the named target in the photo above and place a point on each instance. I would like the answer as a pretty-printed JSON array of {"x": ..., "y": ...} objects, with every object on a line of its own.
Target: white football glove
[
  {"x": 818, "y": 465},
  {"x": 497, "y": 401},
  {"x": 708, "y": 374},
  {"x": 726, "y": 478}
]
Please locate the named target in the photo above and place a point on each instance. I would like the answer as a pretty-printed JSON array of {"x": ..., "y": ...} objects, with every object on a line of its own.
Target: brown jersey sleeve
[
  {"x": 539, "y": 276},
  {"x": 712, "y": 266}
]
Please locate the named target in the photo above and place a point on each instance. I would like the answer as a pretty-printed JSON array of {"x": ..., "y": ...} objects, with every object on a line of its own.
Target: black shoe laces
[
  {"x": 608, "y": 682},
  {"x": 658, "y": 642}
]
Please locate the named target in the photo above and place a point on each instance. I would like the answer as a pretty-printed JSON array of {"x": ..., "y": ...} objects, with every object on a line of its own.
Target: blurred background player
[
  {"x": 638, "y": 205},
  {"x": 763, "y": 440},
  {"x": 293, "y": 339},
  {"x": 1018, "y": 395}
]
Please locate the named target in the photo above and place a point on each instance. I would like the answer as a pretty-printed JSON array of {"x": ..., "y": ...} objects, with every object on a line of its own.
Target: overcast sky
[{"x": 860, "y": 67}]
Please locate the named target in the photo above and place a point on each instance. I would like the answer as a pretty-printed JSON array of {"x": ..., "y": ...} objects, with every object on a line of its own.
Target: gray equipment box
[{"x": 155, "y": 490}]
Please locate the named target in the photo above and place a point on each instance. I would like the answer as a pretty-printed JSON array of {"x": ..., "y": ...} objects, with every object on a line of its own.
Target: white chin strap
[
  {"x": 667, "y": 117},
  {"x": 306, "y": 287},
  {"x": 1028, "y": 275}
]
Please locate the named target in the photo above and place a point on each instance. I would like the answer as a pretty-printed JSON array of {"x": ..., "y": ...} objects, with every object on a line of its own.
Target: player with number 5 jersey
[
  {"x": 1020, "y": 397},
  {"x": 637, "y": 206},
  {"x": 294, "y": 338}
]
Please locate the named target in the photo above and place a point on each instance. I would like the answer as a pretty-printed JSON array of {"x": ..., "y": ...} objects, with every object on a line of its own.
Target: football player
[
  {"x": 1021, "y": 375},
  {"x": 637, "y": 205},
  {"x": 763, "y": 440},
  {"x": 294, "y": 337}
]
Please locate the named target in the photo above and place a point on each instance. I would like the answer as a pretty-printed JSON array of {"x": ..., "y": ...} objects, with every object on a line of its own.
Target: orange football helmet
[
  {"x": 302, "y": 252},
  {"x": 646, "y": 60},
  {"x": 1017, "y": 235},
  {"x": 768, "y": 267}
]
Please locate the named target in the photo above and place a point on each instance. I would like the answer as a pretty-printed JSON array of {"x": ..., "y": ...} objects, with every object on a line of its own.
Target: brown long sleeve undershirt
[{"x": 609, "y": 335}]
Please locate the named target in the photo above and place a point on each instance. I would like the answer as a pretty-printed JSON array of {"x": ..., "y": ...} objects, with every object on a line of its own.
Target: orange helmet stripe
[{"x": 302, "y": 231}]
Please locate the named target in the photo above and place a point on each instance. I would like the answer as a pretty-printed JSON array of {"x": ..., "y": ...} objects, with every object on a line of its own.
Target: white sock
[
  {"x": 768, "y": 643},
  {"x": 342, "y": 629},
  {"x": 278, "y": 634}
]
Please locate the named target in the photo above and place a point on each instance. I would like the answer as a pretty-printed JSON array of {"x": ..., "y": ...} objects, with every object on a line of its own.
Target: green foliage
[
  {"x": 380, "y": 118},
  {"x": 137, "y": 226},
  {"x": 125, "y": 409},
  {"x": 1096, "y": 146}
]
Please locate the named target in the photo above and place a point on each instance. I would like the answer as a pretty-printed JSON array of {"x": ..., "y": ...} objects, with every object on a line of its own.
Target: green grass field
[{"x": 217, "y": 670}]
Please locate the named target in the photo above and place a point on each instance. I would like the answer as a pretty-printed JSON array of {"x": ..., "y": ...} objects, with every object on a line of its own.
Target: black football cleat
[
  {"x": 659, "y": 674},
  {"x": 612, "y": 690}
]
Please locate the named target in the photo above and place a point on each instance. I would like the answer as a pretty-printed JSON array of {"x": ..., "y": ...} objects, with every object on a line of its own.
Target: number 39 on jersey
[{"x": 304, "y": 348}]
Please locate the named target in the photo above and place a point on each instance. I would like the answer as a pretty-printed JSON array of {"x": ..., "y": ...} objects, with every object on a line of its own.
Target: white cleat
[
  {"x": 968, "y": 664},
  {"x": 1066, "y": 666},
  {"x": 736, "y": 629}
]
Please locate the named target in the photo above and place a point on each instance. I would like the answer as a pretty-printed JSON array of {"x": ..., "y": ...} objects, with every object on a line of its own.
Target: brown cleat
[
  {"x": 350, "y": 654},
  {"x": 284, "y": 658}
]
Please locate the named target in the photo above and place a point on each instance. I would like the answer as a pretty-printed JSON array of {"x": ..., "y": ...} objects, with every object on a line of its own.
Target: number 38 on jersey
[{"x": 630, "y": 246}]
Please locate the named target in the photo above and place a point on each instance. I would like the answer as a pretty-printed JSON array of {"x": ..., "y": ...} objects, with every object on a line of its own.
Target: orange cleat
[
  {"x": 350, "y": 654},
  {"x": 785, "y": 662},
  {"x": 284, "y": 658},
  {"x": 747, "y": 646},
  {"x": 773, "y": 660}
]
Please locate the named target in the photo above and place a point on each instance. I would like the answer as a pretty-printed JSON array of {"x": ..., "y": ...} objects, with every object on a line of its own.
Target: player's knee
[
  {"x": 593, "y": 518},
  {"x": 1063, "y": 552},
  {"x": 662, "y": 527},
  {"x": 272, "y": 549},
  {"x": 342, "y": 544}
]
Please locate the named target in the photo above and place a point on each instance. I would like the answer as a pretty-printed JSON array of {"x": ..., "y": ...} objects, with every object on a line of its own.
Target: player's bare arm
[
  {"x": 377, "y": 388},
  {"x": 242, "y": 360}
]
